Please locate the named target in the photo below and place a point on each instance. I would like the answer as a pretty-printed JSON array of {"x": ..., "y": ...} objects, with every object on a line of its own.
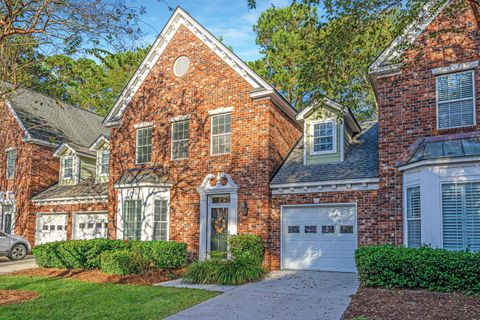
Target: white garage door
[
  {"x": 90, "y": 225},
  {"x": 319, "y": 237},
  {"x": 51, "y": 227}
]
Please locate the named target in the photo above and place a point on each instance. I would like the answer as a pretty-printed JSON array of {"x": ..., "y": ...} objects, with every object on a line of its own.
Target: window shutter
[{"x": 414, "y": 222}]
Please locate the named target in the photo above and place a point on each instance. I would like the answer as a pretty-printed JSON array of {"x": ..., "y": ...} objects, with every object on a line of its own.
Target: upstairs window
[
  {"x": 456, "y": 100},
  {"x": 221, "y": 131},
  {"x": 414, "y": 224},
  {"x": 104, "y": 162},
  {"x": 144, "y": 145},
  {"x": 323, "y": 137},
  {"x": 67, "y": 168},
  {"x": 180, "y": 139},
  {"x": 11, "y": 159}
]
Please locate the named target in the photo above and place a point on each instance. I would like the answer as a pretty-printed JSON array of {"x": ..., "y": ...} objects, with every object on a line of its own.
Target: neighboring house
[
  {"x": 196, "y": 137},
  {"x": 33, "y": 125}
]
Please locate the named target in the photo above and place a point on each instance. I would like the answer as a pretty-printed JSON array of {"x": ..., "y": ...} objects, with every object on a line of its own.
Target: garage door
[
  {"x": 90, "y": 225},
  {"x": 51, "y": 227},
  {"x": 319, "y": 237}
]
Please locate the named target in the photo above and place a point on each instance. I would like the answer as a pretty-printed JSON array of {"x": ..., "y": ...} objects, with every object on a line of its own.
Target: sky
[{"x": 230, "y": 19}]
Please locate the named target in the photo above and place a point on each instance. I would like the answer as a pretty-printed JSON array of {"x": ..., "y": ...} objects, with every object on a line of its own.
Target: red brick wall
[
  {"x": 366, "y": 202},
  {"x": 70, "y": 209},
  {"x": 257, "y": 148},
  {"x": 35, "y": 170},
  {"x": 407, "y": 104}
]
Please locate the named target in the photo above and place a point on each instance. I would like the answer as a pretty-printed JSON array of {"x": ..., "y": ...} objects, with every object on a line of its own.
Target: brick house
[{"x": 33, "y": 125}]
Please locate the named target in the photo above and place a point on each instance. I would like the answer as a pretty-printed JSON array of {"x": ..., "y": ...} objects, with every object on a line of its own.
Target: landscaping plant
[
  {"x": 425, "y": 267},
  {"x": 123, "y": 262}
]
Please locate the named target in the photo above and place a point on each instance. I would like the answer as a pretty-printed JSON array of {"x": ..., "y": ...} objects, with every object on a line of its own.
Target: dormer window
[
  {"x": 104, "y": 164},
  {"x": 67, "y": 168},
  {"x": 456, "y": 100},
  {"x": 323, "y": 137}
]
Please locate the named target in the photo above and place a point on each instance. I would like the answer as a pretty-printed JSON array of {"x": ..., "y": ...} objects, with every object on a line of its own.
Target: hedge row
[
  {"x": 432, "y": 269},
  {"x": 86, "y": 254}
]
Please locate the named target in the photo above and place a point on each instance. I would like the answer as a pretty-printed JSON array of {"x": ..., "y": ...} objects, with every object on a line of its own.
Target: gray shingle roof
[
  {"x": 143, "y": 175},
  {"x": 361, "y": 161},
  {"x": 53, "y": 121},
  {"x": 86, "y": 188}
]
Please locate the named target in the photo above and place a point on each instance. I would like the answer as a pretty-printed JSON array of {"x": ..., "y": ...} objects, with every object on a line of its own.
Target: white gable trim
[
  {"x": 100, "y": 139},
  {"x": 410, "y": 34},
  {"x": 179, "y": 18}
]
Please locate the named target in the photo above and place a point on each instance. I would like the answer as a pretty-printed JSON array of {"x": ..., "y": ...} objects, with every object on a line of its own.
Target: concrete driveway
[
  {"x": 285, "y": 295},
  {"x": 7, "y": 266}
]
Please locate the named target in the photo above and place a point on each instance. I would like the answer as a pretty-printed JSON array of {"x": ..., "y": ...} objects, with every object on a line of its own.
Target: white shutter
[
  {"x": 414, "y": 222},
  {"x": 455, "y": 100},
  {"x": 461, "y": 216}
]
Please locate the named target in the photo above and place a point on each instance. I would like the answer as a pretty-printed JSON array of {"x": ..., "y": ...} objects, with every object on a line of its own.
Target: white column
[{"x": 203, "y": 227}]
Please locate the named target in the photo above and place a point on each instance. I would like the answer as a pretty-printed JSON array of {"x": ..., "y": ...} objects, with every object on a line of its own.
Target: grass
[{"x": 72, "y": 299}]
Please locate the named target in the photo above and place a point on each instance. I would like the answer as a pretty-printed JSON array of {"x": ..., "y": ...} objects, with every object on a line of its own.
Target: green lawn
[{"x": 72, "y": 299}]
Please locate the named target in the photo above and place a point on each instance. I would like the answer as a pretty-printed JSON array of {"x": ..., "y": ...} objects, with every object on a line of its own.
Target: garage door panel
[
  {"x": 319, "y": 237},
  {"x": 90, "y": 225},
  {"x": 51, "y": 228}
]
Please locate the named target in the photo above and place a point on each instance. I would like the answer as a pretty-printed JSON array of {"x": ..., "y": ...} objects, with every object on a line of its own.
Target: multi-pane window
[
  {"x": 414, "y": 222},
  {"x": 323, "y": 137},
  {"x": 456, "y": 100},
  {"x": 132, "y": 219},
  {"x": 180, "y": 139},
  {"x": 11, "y": 158},
  {"x": 160, "y": 229},
  {"x": 221, "y": 131},
  {"x": 461, "y": 216},
  {"x": 67, "y": 168},
  {"x": 144, "y": 145},
  {"x": 104, "y": 162}
]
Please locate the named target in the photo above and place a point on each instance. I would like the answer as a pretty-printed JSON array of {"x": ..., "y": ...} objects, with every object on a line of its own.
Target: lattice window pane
[
  {"x": 221, "y": 133},
  {"x": 180, "y": 139},
  {"x": 132, "y": 220},
  {"x": 11, "y": 158},
  {"x": 323, "y": 136},
  {"x": 144, "y": 145},
  {"x": 160, "y": 230}
]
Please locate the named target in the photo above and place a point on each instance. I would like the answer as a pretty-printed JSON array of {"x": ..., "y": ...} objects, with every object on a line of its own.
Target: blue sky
[{"x": 230, "y": 19}]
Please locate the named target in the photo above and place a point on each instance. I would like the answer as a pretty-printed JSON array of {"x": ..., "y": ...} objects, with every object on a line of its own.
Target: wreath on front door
[{"x": 220, "y": 223}]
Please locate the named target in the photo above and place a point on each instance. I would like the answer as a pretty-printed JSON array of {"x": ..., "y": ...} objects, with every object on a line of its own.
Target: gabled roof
[
  {"x": 87, "y": 188},
  {"x": 180, "y": 17},
  {"x": 75, "y": 148},
  {"x": 48, "y": 121},
  {"x": 97, "y": 144},
  {"x": 349, "y": 117},
  {"x": 388, "y": 62}
]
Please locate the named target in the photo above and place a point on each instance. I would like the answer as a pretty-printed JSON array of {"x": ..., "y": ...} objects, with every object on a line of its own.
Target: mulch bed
[
  {"x": 16, "y": 296},
  {"x": 378, "y": 303},
  {"x": 97, "y": 276}
]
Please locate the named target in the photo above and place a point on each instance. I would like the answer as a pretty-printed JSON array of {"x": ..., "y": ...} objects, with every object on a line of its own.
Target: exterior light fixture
[{"x": 244, "y": 208}]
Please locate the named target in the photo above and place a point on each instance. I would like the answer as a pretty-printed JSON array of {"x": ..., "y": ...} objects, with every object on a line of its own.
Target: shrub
[
  {"x": 162, "y": 254},
  {"x": 122, "y": 262},
  {"x": 247, "y": 246},
  {"x": 202, "y": 272},
  {"x": 432, "y": 269}
]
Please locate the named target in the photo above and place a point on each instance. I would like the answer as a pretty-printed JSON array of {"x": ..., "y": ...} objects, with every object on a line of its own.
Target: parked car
[{"x": 13, "y": 247}]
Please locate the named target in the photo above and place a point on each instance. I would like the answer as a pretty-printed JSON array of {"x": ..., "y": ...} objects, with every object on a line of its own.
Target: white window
[
  {"x": 132, "y": 219},
  {"x": 461, "y": 216},
  {"x": 11, "y": 159},
  {"x": 456, "y": 100},
  {"x": 67, "y": 168},
  {"x": 323, "y": 137},
  {"x": 414, "y": 222},
  {"x": 144, "y": 145},
  {"x": 104, "y": 162},
  {"x": 160, "y": 229},
  {"x": 221, "y": 131},
  {"x": 180, "y": 139}
]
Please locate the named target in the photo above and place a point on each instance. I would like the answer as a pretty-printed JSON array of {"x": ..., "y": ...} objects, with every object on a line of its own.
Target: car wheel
[{"x": 19, "y": 251}]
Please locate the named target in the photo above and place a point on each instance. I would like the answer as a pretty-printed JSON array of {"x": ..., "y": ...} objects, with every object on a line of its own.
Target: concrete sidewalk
[
  {"x": 285, "y": 295},
  {"x": 8, "y": 266}
]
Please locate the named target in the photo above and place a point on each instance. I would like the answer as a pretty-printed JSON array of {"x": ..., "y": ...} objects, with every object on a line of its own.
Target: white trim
[
  {"x": 405, "y": 214},
  {"x": 75, "y": 217},
  {"x": 342, "y": 142},
  {"x": 474, "y": 97},
  {"x": 99, "y": 163},
  {"x": 87, "y": 199},
  {"x": 101, "y": 138},
  {"x": 180, "y": 118},
  {"x": 439, "y": 161},
  {"x": 457, "y": 67},
  {"x": 325, "y": 186},
  {"x": 220, "y": 111},
  {"x": 311, "y": 146},
  {"x": 173, "y": 141},
  {"x": 180, "y": 18},
  {"x": 277, "y": 99},
  {"x": 62, "y": 168},
  {"x": 168, "y": 216},
  {"x": 222, "y": 134},
  {"x": 142, "y": 185},
  {"x": 333, "y": 204},
  {"x": 142, "y": 125}
]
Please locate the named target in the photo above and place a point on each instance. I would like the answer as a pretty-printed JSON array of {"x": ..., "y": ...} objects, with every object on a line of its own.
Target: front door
[
  {"x": 6, "y": 213},
  {"x": 218, "y": 223}
]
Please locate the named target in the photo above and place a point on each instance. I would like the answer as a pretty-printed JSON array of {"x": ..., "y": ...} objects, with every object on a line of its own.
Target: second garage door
[
  {"x": 51, "y": 227},
  {"x": 319, "y": 237},
  {"x": 91, "y": 225}
]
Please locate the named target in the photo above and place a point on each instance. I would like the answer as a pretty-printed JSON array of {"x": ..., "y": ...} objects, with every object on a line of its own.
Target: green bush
[
  {"x": 432, "y": 269},
  {"x": 162, "y": 254},
  {"x": 247, "y": 246},
  {"x": 122, "y": 262},
  {"x": 202, "y": 272}
]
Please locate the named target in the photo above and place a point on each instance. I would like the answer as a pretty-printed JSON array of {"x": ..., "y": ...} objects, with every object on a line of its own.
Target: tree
[{"x": 61, "y": 26}]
